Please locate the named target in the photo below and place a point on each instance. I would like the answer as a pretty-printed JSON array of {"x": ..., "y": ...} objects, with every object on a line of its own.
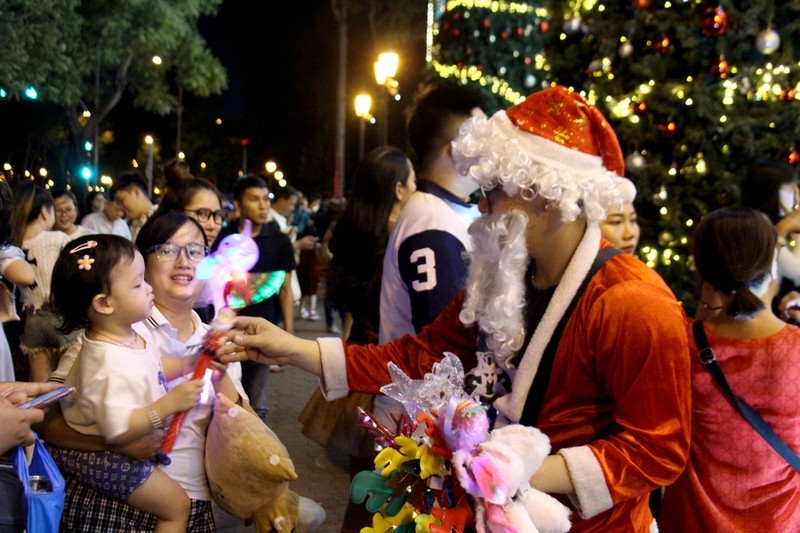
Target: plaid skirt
[{"x": 87, "y": 511}]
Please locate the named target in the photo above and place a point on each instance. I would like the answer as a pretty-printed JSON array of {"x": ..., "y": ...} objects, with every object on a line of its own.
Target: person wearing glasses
[
  {"x": 199, "y": 199},
  {"x": 172, "y": 245},
  {"x": 66, "y": 209},
  {"x": 121, "y": 378}
]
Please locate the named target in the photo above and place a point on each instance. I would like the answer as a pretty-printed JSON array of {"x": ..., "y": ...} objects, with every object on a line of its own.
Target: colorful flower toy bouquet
[{"x": 459, "y": 474}]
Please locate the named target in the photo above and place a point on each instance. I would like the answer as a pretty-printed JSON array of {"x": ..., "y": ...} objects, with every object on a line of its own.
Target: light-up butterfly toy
[{"x": 233, "y": 287}]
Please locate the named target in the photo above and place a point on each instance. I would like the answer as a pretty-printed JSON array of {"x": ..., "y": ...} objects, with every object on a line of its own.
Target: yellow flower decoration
[
  {"x": 379, "y": 525},
  {"x": 430, "y": 464},
  {"x": 405, "y": 516},
  {"x": 390, "y": 459}
]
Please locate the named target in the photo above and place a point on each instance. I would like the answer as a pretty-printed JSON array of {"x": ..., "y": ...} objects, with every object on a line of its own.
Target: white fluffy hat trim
[{"x": 496, "y": 153}]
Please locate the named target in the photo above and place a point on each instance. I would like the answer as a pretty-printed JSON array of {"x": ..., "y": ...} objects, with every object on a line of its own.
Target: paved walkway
[{"x": 322, "y": 474}]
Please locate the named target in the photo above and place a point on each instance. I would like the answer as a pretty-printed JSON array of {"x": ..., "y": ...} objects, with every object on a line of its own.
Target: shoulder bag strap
[{"x": 709, "y": 361}]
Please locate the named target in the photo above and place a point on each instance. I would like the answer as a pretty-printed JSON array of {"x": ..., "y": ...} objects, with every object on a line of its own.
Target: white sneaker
[
  {"x": 304, "y": 314},
  {"x": 313, "y": 315}
]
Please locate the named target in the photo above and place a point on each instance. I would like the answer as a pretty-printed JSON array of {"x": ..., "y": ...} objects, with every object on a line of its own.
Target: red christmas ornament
[
  {"x": 457, "y": 32},
  {"x": 641, "y": 5},
  {"x": 722, "y": 68},
  {"x": 445, "y": 26},
  {"x": 520, "y": 31},
  {"x": 486, "y": 23},
  {"x": 640, "y": 108},
  {"x": 788, "y": 94},
  {"x": 468, "y": 51},
  {"x": 504, "y": 35},
  {"x": 456, "y": 15},
  {"x": 792, "y": 157},
  {"x": 663, "y": 43},
  {"x": 527, "y": 60},
  {"x": 668, "y": 130},
  {"x": 714, "y": 21},
  {"x": 544, "y": 26}
]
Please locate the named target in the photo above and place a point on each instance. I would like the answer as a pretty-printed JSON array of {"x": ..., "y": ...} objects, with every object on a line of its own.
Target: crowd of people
[{"x": 536, "y": 288}]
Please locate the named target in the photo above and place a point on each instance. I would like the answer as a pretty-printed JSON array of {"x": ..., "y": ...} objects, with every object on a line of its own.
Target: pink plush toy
[{"x": 497, "y": 472}]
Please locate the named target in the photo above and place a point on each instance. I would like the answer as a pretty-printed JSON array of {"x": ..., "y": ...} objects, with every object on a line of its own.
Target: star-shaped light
[{"x": 433, "y": 392}]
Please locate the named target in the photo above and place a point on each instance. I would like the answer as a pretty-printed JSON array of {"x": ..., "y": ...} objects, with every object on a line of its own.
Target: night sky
[{"x": 282, "y": 73}]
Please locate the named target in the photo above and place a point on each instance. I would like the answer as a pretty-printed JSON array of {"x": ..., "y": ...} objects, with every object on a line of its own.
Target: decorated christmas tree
[{"x": 697, "y": 92}]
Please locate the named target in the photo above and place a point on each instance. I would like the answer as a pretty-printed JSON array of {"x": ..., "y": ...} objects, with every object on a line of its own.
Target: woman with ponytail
[{"x": 734, "y": 480}]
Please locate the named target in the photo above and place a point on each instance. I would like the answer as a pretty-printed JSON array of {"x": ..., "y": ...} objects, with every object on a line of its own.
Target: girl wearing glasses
[
  {"x": 171, "y": 244},
  {"x": 200, "y": 199},
  {"x": 121, "y": 379}
]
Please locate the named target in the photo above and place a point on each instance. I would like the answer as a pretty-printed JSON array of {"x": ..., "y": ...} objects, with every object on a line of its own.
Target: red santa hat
[{"x": 554, "y": 144}]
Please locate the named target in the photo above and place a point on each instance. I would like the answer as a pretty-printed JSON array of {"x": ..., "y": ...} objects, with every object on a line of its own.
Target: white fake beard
[{"x": 495, "y": 282}]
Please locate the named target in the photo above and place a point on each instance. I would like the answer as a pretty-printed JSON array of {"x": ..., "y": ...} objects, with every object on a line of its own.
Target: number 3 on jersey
[{"x": 425, "y": 260}]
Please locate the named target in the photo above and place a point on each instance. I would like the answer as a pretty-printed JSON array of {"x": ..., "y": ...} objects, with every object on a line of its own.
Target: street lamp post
[
  {"x": 385, "y": 71},
  {"x": 148, "y": 140},
  {"x": 363, "y": 103}
]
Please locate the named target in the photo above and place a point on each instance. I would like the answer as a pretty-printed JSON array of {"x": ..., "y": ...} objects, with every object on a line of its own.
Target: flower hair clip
[{"x": 85, "y": 263}]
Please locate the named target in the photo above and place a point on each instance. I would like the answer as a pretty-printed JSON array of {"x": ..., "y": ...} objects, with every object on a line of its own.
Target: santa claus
[{"x": 556, "y": 328}]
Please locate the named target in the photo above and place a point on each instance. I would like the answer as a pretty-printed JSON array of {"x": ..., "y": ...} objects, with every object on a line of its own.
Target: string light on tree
[{"x": 693, "y": 132}]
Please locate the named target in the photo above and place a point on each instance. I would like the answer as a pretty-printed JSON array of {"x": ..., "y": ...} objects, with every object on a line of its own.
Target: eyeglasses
[
  {"x": 204, "y": 214},
  {"x": 169, "y": 251},
  {"x": 67, "y": 211}
]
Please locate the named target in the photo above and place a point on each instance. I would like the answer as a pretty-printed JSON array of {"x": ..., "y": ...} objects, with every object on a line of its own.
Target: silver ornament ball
[
  {"x": 768, "y": 41},
  {"x": 530, "y": 81},
  {"x": 635, "y": 161}
]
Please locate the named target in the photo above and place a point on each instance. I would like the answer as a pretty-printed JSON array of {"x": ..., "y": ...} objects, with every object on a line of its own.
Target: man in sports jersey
[
  {"x": 591, "y": 342},
  {"x": 424, "y": 266}
]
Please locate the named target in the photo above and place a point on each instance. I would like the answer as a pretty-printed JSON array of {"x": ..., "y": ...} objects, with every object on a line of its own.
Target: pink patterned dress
[{"x": 734, "y": 481}]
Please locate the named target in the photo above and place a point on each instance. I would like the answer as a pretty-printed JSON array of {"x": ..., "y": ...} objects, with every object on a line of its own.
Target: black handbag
[
  {"x": 13, "y": 503},
  {"x": 709, "y": 361}
]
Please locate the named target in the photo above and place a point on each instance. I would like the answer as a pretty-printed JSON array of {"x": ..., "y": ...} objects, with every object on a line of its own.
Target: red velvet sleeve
[{"x": 367, "y": 365}]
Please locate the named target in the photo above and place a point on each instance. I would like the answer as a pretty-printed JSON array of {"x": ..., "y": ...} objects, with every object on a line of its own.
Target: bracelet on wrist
[{"x": 155, "y": 419}]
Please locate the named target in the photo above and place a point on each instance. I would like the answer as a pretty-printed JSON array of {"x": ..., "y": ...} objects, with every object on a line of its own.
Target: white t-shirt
[
  {"x": 187, "y": 467},
  {"x": 112, "y": 381},
  {"x": 99, "y": 222}
]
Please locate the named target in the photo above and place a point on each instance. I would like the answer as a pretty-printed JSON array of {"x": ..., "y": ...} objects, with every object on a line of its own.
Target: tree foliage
[
  {"x": 85, "y": 55},
  {"x": 697, "y": 91}
]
